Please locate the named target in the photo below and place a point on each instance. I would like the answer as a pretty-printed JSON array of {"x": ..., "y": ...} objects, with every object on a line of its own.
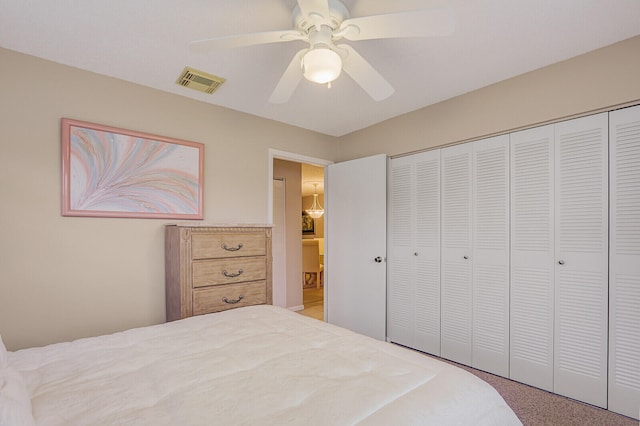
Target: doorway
[{"x": 299, "y": 195}]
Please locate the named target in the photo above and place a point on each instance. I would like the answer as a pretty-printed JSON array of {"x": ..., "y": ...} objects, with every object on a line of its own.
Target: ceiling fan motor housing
[
  {"x": 337, "y": 13},
  {"x": 322, "y": 37}
]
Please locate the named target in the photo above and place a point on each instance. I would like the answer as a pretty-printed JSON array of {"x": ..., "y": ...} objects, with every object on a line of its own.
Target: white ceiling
[{"x": 147, "y": 42}]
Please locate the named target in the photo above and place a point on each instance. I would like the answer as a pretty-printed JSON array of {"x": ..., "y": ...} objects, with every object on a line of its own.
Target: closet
[
  {"x": 475, "y": 254},
  {"x": 414, "y": 252},
  {"x": 559, "y": 258},
  {"x": 448, "y": 274},
  {"x": 529, "y": 283}
]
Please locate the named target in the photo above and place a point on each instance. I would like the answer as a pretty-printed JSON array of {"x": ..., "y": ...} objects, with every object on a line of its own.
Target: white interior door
[
  {"x": 355, "y": 239},
  {"x": 278, "y": 245}
]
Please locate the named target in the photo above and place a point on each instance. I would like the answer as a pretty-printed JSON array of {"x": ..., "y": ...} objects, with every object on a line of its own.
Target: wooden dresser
[{"x": 211, "y": 268}]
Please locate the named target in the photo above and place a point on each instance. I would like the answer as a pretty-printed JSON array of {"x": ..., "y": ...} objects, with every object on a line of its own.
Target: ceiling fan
[{"x": 322, "y": 23}]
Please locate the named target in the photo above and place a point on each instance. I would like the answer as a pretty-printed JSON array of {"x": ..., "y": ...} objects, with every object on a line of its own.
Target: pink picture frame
[{"x": 111, "y": 172}]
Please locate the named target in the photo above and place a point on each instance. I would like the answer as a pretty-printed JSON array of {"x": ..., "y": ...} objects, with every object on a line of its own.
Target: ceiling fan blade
[
  {"x": 365, "y": 75},
  {"x": 420, "y": 23},
  {"x": 289, "y": 80},
  {"x": 314, "y": 8},
  {"x": 242, "y": 40}
]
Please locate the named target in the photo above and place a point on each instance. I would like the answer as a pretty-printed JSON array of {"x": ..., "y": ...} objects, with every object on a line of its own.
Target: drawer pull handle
[
  {"x": 232, "y": 301},
  {"x": 238, "y": 247},
  {"x": 232, "y": 275}
]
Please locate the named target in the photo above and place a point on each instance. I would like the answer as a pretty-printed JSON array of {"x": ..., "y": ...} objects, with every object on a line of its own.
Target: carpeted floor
[{"x": 536, "y": 407}]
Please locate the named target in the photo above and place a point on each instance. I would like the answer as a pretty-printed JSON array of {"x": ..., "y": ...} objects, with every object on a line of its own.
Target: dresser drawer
[
  {"x": 227, "y": 271},
  {"x": 222, "y": 297},
  {"x": 210, "y": 246}
]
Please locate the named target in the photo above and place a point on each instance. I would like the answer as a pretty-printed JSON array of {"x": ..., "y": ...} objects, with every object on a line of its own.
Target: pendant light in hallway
[{"x": 316, "y": 211}]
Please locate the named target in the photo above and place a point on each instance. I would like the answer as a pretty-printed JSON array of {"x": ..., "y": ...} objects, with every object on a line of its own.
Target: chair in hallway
[{"x": 311, "y": 267}]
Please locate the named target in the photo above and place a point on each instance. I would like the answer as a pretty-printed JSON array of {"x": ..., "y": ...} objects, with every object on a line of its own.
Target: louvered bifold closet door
[
  {"x": 414, "y": 254},
  {"x": 456, "y": 270},
  {"x": 532, "y": 247},
  {"x": 490, "y": 256},
  {"x": 624, "y": 268},
  {"x": 581, "y": 259},
  {"x": 427, "y": 253},
  {"x": 400, "y": 268}
]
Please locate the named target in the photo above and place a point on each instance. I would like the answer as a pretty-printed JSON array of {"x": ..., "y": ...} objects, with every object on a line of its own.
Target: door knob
[
  {"x": 377, "y": 259},
  {"x": 465, "y": 257},
  {"x": 560, "y": 262}
]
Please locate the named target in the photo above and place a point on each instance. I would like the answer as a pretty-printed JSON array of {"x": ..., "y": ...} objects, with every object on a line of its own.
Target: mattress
[{"x": 258, "y": 365}]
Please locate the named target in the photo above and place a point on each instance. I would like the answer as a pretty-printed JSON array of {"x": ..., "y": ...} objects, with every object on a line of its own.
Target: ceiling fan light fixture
[{"x": 321, "y": 65}]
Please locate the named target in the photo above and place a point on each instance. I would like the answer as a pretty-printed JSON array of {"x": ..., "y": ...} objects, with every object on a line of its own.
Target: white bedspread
[{"x": 259, "y": 365}]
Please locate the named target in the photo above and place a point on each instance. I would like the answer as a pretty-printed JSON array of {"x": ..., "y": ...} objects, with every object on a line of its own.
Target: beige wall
[
  {"x": 62, "y": 277},
  {"x": 292, "y": 174},
  {"x": 596, "y": 80}
]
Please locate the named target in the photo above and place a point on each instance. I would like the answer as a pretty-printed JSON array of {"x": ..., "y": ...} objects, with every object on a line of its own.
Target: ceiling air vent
[{"x": 200, "y": 81}]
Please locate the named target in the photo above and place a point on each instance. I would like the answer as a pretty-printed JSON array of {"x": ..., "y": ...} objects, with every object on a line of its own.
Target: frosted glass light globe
[{"x": 321, "y": 65}]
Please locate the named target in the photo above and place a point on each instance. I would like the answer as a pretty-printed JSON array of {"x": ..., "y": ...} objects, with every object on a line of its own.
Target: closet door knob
[
  {"x": 465, "y": 257},
  {"x": 377, "y": 259},
  {"x": 415, "y": 254},
  {"x": 560, "y": 262}
]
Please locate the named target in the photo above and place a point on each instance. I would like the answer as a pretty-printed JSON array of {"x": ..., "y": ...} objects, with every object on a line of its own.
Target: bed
[{"x": 257, "y": 365}]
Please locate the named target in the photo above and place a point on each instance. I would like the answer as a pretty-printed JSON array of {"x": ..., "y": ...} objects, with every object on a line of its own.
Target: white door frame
[{"x": 279, "y": 238}]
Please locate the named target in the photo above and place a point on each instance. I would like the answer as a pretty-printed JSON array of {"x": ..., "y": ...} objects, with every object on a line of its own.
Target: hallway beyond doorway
[{"x": 313, "y": 300}]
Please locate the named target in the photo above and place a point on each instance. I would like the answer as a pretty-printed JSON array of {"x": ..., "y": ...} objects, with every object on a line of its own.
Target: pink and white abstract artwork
[{"x": 111, "y": 172}]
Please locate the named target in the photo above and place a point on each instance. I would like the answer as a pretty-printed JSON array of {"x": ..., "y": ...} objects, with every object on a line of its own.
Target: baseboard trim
[{"x": 296, "y": 308}]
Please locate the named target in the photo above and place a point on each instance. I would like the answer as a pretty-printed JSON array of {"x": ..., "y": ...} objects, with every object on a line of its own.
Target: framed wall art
[
  {"x": 308, "y": 225},
  {"x": 110, "y": 172}
]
